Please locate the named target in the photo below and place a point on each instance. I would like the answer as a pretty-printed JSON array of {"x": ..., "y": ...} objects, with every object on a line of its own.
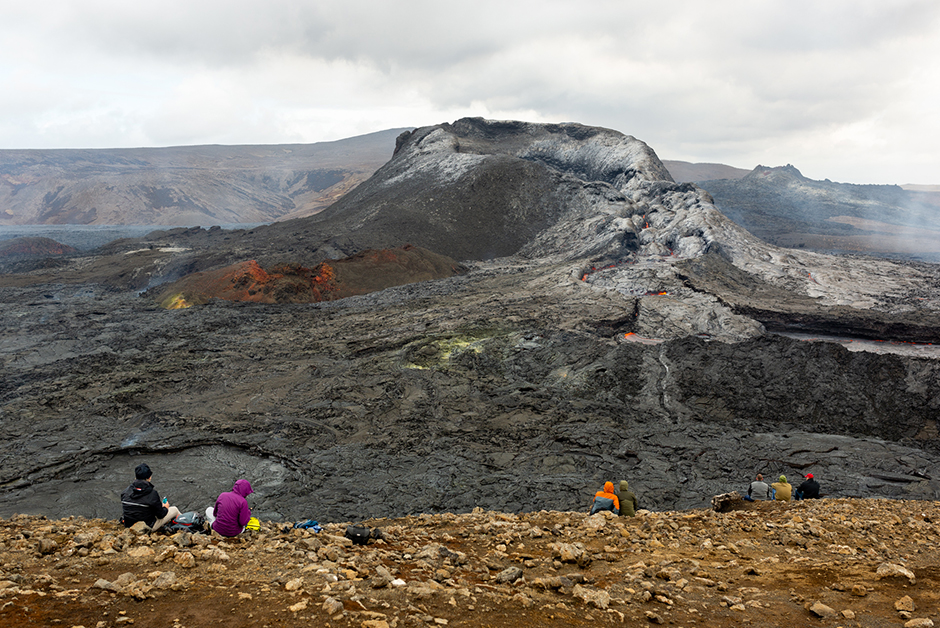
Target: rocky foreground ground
[{"x": 831, "y": 562}]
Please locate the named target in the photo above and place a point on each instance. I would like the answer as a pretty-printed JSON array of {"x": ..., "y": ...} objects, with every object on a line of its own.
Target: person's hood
[
  {"x": 141, "y": 488},
  {"x": 624, "y": 485},
  {"x": 608, "y": 487},
  {"x": 243, "y": 488}
]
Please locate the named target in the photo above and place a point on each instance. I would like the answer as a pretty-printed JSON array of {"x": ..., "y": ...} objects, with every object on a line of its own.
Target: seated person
[
  {"x": 809, "y": 489},
  {"x": 141, "y": 502},
  {"x": 231, "y": 514},
  {"x": 783, "y": 491},
  {"x": 606, "y": 500},
  {"x": 627, "y": 498},
  {"x": 758, "y": 489}
]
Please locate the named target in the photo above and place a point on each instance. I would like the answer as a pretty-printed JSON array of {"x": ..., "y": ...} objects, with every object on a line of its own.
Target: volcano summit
[{"x": 610, "y": 323}]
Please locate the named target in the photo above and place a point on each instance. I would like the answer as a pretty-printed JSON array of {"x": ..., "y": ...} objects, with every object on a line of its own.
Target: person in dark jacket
[
  {"x": 628, "y": 502},
  {"x": 606, "y": 500},
  {"x": 141, "y": 502},
  {"x": 809, "y": 489},
  {"x": 230, "y": 514}
]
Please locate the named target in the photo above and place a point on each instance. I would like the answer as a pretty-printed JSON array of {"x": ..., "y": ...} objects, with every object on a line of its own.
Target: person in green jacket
[{"x": 628, "y": 503}]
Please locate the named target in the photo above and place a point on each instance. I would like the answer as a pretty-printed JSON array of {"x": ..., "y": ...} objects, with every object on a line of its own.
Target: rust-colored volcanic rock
[
  {"x": 34, "y": 246},
  {"x": 362, "y": 273}
]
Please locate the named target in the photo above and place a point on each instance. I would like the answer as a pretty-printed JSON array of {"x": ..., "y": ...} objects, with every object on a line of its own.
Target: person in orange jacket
[{"x": 606, "y": 500}]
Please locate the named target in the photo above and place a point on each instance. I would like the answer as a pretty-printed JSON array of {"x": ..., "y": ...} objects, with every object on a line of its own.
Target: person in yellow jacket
[{"x": 782, "y": 490}]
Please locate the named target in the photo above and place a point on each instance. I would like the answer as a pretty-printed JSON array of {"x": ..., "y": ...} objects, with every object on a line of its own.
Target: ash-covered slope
[{"x": 473, "y": 190}]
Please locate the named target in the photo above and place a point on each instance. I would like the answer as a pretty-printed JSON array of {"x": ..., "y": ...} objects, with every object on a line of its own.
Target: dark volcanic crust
[
  {"x": 514, "y": 387},
  {"x": 417, "y": 399}
]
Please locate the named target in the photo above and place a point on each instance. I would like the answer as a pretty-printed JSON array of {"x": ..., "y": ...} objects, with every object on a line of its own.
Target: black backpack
[
  {"x": 358, "y": 534},
  {"x": 187, "y": 522}
]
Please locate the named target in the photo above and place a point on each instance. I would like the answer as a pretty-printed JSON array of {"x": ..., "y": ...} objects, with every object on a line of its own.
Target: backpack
[
  {"x": 358, "y": 534},
  {"x": 187, "y": 522},
  {"x": 602, "y": 503},
  {"x": 309, "y": 524}
]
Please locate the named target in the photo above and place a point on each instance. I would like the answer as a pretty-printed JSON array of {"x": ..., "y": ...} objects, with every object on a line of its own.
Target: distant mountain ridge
[
  {"x": 687, "y": 172},
  {"x": 781, "y": 206},
  {"x": 695, "y": 172},
  {"x": 261, "y": 184},
  {"x": 187, "y": 185}
]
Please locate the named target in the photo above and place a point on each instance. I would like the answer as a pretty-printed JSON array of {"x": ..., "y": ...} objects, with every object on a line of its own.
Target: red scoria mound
[
  {"x": 362, "y": 273},
  {"x": 33, "y": 247}
]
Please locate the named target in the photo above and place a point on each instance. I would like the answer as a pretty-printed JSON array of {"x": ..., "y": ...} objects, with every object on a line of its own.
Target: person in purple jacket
[{"x": 230, "y": 514}]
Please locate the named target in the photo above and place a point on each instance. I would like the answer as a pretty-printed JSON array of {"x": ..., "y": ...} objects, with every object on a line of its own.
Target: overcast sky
[{"x": 843, "y": 89}]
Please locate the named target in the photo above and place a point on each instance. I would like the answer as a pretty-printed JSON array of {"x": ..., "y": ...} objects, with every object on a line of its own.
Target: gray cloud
[{"x": 842, "y": 89}]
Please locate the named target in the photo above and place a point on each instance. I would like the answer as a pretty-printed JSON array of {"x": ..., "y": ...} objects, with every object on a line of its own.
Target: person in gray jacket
[{"x": 758, "y": 489}]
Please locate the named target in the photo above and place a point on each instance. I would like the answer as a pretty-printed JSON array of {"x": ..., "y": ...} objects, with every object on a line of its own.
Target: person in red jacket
[
  {"x": 606, "y": 500},
  {"x": 230, "y": 514}
]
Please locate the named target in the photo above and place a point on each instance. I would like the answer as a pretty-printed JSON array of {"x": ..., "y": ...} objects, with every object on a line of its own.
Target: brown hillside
[
  {"x": 860, "y": 563},
  {"x": 184, "y": 185}
]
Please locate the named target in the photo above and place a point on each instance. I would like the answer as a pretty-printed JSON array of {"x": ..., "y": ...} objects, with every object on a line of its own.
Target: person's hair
[
  {"x": 142, "y": 472},
  {"x": 760, "y": 478}
]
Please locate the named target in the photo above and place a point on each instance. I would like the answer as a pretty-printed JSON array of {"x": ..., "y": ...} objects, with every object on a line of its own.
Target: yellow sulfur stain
[{"x": 176, "y": 302}]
